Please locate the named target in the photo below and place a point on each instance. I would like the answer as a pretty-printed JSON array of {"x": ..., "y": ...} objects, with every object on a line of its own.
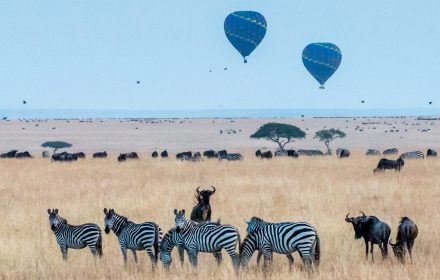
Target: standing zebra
[
  {"x": 392, "y": 151},
  {"x": 282, "y": 238},
  {"x": 413, "y": 155},
  {"x": 230, "y": 157},
  {"x": 207, "y": 237},
  {"x": 75, "y": 237},
  {"x": 133, "y": 236},
  {"x": 173, "y": 239}
]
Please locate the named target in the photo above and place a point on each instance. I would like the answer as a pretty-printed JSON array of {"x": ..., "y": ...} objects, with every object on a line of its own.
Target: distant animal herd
[
  {"x": 201, "y": 235},
  {"x": 382, "y": 165}
]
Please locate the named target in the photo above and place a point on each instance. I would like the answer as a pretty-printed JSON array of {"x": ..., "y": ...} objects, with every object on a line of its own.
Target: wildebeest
[
  {"x": 25, "y": 154},
  {"x": 64, "y": 156},
  {"x": 342, "y": 153},
  {"x": 183, "y": 155},
  {"x": 202, "y": 211},
  {"x": 164, "y": 154},
  {"x": 10, "y": 154},
  {"x": 222, "y": 153},
  {"x": 406, "y": 235},
  {"x": 292, "y": 153},
  {"x": 80, "y": 155},
  {"x": 372, "y": 152},
  {"x": 124, "y": 157},
  {"x": 431, "y": 153},
  {"x": 392, "y": 151},
  {"x": 154, "y": 154},
  {"x": 372, "y": 230},
  {"x": 389, "y": 164},
  {"x": 258, "y": 153},
  {"x": 45, "y": 154},
  {"x": 266, "y": 154},
  {"x": 100, "y": 155},
  {"x": 210, "y": 154}
]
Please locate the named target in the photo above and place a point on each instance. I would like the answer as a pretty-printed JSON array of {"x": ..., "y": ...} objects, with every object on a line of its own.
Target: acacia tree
[
  {"x": 56, "y": 145},
  {"x": 280, "y": 133},
  {"x": 328, "y": 135}
]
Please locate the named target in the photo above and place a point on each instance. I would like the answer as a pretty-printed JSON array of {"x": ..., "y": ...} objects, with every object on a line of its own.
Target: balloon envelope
[
  {"x": 321, "y": 60},
  {"x": 245, "y": 30}
]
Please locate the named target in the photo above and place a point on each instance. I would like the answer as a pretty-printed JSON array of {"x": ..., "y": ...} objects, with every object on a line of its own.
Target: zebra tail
[
  {"x": 99, "y": 245},
  {"x": 316, "y": 251},
  {"x": 157, "y": 242}
]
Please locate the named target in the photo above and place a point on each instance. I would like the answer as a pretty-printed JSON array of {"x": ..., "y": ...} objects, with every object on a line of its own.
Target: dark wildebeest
[
  {"x": 124, "y": 157},
  {"x": 406, "y": 235},
  {"x": 23, "y": 155},
  {"x": 154, "y": 154},
  {"x": 64, "y": 156},
  {"x": 183, "y": 155},
  {"x": 267, "y": 154},
  {"x": 80, "y": 155},
  {"x": 292, "y": 153},
  {"x": 392, "y": 151},
  {"x": 10, "y": 154},
  {"x": 164, "y": 154},
  {"x": 202, "y": 211},
  {"x": 258, "y": 153},
  {"x": 372, "y": 230},
  {"x": 210, "y": 154},
  {"x": 100, "y": 155},
  {"x": 222, "y": 153},
  {"x": 389, "y": 164},
  {"x": 342, "y": 153},
  {"x": 431, "y": 153}
]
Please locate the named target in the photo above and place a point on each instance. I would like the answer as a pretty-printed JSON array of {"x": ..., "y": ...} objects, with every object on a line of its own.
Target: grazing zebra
[
  {"x": 133, "y": 236},
  {"x": 207, "y": 238},
  {"x": 309, "y": 153},
  {"x": 372, "y": 152},
  {"x": 173, "y": 239},
  {"x": 413, "y": 155},
  {"x": 392, "y": 151},
  {"x": 281, "y": 153},
  {"x": 282, "y": 238},
  {"x": 75, "y": 237},
  {"x": 230, "y": 157}
]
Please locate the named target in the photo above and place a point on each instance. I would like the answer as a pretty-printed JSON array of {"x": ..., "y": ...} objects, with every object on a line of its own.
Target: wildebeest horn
[
  {"x": 213, "y": 189},
  {"x": 363, "y": 214},
  {"x": 347, "y": 219},
  {"x": 197, "y": 190}
]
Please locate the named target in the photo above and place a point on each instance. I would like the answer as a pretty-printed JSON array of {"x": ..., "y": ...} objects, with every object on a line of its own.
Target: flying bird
[
  {"x": 24, "y": 102},
  {"x": 4, "y": 118},
  {"x": 430, "y": 102},
  {"x": 138, "y": 82},
  {"x": 226, "y": 68},
  {"x": 363, "y": 101}
]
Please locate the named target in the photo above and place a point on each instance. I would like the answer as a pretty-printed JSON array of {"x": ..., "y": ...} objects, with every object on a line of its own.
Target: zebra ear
[
  {"x": 56, "y": 211},
  {"x": 183, "y": 211},
  {"x": 175, "y": 211},
  {"x": 105, "y": 211},
  {"x": 247, "y": 222},
  {"x": 48, "y": 211}
]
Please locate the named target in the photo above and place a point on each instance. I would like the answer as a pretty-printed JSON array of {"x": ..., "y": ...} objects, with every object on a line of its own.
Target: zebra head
[
  {"x": 254, "y": 224},
  {"x": 109, "y": 219},
  {"x": 55, "y": 220},
  {"x": 169, "y": 241},
  {"x": 180, "y": 219}
]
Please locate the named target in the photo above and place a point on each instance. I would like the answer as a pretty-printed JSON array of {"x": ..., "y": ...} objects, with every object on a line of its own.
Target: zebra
[
  {"x": 281, "y": 153},
  {"x": 75, "y": 237},
  {"x": 413, "y": 155},
  {"x": 230, "y": 157},
  {"x": 281, "y": 238},
  {"x": 392, "y": 151},
  {"x": 205, "y": 237},
  {"x": 309, "y": 153},
  {"x": 133, "y": 236},
  {"x": 173, "y": 239},
  {"x": 372, "y": 152}
]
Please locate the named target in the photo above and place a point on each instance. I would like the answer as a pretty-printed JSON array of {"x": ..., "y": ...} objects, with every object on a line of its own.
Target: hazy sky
[{"x": 89, "y": 54}]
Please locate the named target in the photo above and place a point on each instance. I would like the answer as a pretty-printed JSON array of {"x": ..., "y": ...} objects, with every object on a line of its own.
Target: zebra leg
[
  {"x": 181, "y": 251},
  {"x": 259, "y": 258},
  {"x": 267, "y": 255},
  {"x": 124, "y": 255},
  {"x": 64, "y": 252},
  {"x": 193, "y": 258},
  {"x": 234, "y": 256},
  {"x": 135, "y": 256},
  {"x": 291, "y": 261},
  {"x": 218, "y": 257},
  {"x": 152, "y": 256}
]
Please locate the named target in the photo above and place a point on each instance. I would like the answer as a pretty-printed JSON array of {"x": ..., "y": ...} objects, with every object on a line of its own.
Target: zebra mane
[
  {"x": 257, "y": 220},
  {"x": 63, "y": 221}
]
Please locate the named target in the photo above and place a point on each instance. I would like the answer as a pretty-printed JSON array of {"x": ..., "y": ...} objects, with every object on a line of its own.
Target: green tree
[
  {"x": 280, "y": 133},
  {"x": 328, "y": 135},
  {"x": 56, "y": 145}
]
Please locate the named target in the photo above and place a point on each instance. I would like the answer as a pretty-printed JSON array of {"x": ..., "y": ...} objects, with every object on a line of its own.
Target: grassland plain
[{"x": 320, "y": 191}]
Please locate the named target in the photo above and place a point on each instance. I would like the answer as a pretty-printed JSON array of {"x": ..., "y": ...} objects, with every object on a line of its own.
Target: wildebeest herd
[{"x": 200, "y": 235}]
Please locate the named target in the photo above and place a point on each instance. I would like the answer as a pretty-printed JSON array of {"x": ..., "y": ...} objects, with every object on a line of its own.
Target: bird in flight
[
  {"x": 24, "y": 102},
  {"x": 138, "y": 82},
  {"x": 430, "y": 102},
  {"x": 363, "y": 101},
  {"x": 4, "y": 118},
  {"x": 226, "y": 68}
]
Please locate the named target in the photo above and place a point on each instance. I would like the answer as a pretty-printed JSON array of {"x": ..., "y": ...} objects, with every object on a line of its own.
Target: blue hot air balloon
[
  {"x": 245, "y": 30},
  {"x": 321, "y": 60}
]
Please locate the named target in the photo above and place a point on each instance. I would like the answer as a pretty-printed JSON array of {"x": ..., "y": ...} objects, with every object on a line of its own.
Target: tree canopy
[
  {"x": 280, "y": 133},
  {"x": 56, "y": 145},
  {"x": 328, "y": 135}
]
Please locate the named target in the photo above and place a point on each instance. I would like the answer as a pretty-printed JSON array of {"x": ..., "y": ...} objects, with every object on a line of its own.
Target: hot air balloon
[
  {"x": 321, "y": 60},
  {"x": 245, "y": 30}
]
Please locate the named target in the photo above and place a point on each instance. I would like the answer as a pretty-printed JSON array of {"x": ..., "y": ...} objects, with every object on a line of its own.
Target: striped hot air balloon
[
  {"x": 245, "y": 30},
  {"x": 321, "y": 60}
]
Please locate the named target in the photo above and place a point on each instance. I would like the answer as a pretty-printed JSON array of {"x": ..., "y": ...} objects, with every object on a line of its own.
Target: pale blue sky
[{"x": 89, "y": 54}]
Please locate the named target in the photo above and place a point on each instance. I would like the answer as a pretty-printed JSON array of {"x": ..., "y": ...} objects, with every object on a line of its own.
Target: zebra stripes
[
  {"x": 133, "y": 236},
  {"x": 392, "y": 151},
  {"x": 230, "y": 157},
  {"x": 207, "y": 237},
  {"x": 413, "y": 155},
  {"x": 75, "y": 237},
  {"x": 173, "y": 239},
  {"x": 282, "y": 238}
]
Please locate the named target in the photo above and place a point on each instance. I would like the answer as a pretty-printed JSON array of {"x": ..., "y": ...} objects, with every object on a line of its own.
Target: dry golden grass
[{"x": 317, "y": 190}]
